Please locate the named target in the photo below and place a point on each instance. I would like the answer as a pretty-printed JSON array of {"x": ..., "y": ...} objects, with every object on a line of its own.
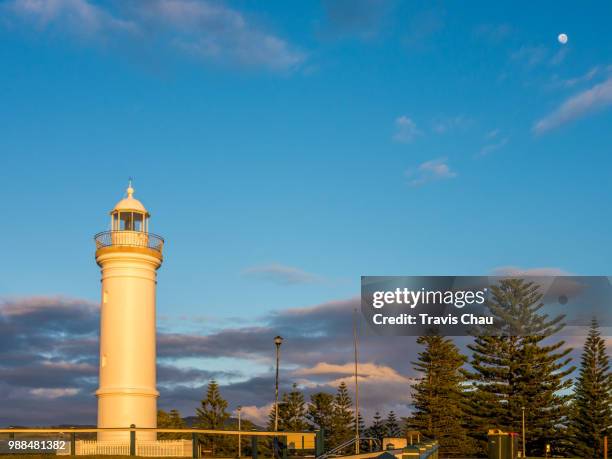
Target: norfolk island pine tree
[
  {"x": 591, "y": 415},
  {"x": 521, "y": 367}
]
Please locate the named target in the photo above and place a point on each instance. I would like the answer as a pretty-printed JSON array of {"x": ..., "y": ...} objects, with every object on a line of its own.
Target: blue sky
[{"x": 285, "y": 149}]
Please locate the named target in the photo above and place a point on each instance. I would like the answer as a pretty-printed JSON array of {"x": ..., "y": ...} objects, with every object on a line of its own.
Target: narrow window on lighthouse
[
  {"x": 103, "y": 360},
  {"x": 105, "y": 297}
]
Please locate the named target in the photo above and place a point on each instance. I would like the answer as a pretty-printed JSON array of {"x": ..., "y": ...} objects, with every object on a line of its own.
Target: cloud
[
  {"x": 257, "y": 414},
  {"x": 516, "y": 271},
  {"x": 445, "y": 125},
  {"x": 211, "y": 30},
  {"x": 78, "y": 16},
  {"x": 281, "y": 274},
  {"x": 576, "y": 340},
  {"x": 362, "y": 18},
  {"x": 54, "y": 393},
  {"x": 21, "y": 333},
  {"x": 579, "y": 80},
  {"x": 550, "y": 286},
  {"x": 493, "y": 32},
  {"x": 366, "y": 370},
  {"x": 559, "y": 56},
  {"x": 582, "y": 104},
  {"x": 170, "y": 375},
  {"x": 493, "y": 146},
  {"x": 530, "y": 55},
  {"x": 555, "y": 283},
  {"x": 56, "y": 308},
  {"x": 376, "y": 382},
  {"x": 55, "y": 375},
  {"x": 429, "y": 171},
  {"x": 206, "y": 30},
  {"x": 405, "y": 130},
  {"x": 48, "y": 374}
]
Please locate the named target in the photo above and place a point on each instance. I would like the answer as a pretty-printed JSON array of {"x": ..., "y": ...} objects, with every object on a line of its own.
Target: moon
[{"x": 562, "y": 38}]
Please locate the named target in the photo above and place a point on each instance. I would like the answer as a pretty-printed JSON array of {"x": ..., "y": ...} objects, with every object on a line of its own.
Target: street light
[
  {"x": 239, "y": 409},
  {"x": 523, "y": 409},
  {"x": 278, "y": 340}
]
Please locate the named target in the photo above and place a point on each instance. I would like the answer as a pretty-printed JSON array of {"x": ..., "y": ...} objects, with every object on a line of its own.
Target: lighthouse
[{"x": 128, "y": 256}]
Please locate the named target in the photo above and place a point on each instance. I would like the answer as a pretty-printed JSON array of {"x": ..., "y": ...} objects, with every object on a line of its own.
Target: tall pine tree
[
  {"x": 343, "y": 421},
  {"x": 378, "y": 429},
  {"x": 438, "y": 396},
  {"x": 591, "y": 415},
  {"x": 212, "y": 415},
  {"x": 292, "y": 411},
  {"x": 321, "y": 413},
  {"x": 392, "y": 425},
  {"x": 519, "y": 367},
  {"x": 291, "y": 414},
  {"x": 171, "y": 420},
  {"x": 363, "y": 444}
]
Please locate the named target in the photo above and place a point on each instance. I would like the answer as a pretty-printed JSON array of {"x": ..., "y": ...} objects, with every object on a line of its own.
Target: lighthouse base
[{"x": 123, "y": 409}]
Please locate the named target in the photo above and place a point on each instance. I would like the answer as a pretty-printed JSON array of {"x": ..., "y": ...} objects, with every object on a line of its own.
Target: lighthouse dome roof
[{"x": 130, "y": 203}]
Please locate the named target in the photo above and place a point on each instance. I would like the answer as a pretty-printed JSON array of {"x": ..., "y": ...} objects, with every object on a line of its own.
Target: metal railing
[
  {"x": 338, "y": 449},
  {"x": 132, "y": 446},
  {"x": 129, "y": 239},
  {"x": 426, "y": 449}
]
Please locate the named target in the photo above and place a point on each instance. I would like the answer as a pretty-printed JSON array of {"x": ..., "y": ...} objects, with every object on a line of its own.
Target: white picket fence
[
  {"x": 163, "y": 448},
  {"x": 156, "y": 448},
  {"x": 94, "y": 447}
]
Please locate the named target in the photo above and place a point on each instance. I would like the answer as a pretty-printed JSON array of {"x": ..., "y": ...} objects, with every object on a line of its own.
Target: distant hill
[
  {"x": 78, "y": 426},
  {"x": 190, "y": 420}
]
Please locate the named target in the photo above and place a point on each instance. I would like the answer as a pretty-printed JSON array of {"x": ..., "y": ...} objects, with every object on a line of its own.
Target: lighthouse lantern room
[{"x": 129, "y": 214}]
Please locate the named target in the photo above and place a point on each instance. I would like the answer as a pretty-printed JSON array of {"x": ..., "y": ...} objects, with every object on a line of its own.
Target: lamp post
[
  {"x": 523, "y": 433},
  {"x": 278, "y": 340},
  {"x": 239, "y": 409}
]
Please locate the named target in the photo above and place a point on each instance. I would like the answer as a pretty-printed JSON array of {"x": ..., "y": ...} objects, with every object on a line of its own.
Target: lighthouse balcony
[{"x": 124, "y": 238}]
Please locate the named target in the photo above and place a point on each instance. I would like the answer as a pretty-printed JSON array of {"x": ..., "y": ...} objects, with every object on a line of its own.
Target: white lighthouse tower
[{"x": 129, "y": 257}]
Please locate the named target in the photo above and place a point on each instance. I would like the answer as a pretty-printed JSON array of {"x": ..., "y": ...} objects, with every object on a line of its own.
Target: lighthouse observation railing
[{"x": 129, "y": 239}]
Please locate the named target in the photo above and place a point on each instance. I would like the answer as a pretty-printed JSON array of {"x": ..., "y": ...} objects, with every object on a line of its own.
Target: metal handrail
[
  {"x": 129, "y": 239},
  {"x": 345, "y": 445}
]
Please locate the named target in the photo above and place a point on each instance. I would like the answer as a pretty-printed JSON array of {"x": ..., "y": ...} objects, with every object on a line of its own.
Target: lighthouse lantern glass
[
  {"x": 138, "y": 220},
  {"x": 126, "y": 221},
  {"x": 129, "y": 221}
]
